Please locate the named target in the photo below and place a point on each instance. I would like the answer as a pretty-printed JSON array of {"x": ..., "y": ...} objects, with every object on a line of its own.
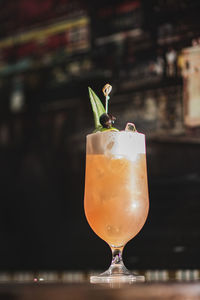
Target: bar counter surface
[{"x": 85, "y": 290}]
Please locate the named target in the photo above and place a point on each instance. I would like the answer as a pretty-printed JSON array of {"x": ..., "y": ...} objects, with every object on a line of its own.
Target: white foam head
[{"x": 111, "y": 143}]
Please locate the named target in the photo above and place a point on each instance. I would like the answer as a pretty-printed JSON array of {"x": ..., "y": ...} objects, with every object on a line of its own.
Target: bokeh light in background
[{"x": 50, "y": 52}]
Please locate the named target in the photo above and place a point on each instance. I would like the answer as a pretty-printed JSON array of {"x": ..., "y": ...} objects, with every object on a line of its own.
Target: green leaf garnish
[
  {"x": 109, "y": 129},
  {"x": 97, "y": 108},
  {"x": 101, "y": 128}
]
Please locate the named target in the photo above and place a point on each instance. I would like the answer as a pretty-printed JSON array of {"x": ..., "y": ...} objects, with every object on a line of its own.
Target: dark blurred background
[{"x": 50, "y": 52}]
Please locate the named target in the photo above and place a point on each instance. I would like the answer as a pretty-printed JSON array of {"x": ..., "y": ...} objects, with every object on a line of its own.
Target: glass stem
[
  {"x": 117, "y": 266},
  {"x": 117, "y": 254}
]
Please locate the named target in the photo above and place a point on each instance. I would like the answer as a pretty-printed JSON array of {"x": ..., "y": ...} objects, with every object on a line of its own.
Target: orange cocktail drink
[
  {"x": 116, "y": 198},
  {"x": 116, "y": 191}
]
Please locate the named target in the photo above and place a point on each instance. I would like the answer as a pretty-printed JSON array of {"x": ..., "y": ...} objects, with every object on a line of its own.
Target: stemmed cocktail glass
[{"x": 116, "y": 194}]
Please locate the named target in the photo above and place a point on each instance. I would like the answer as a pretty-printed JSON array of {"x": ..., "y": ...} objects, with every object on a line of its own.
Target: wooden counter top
[{"x": 87, "y": 291}]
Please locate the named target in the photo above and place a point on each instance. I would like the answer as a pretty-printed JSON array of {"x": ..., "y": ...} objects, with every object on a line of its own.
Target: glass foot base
[
  {"x": 117, "y": 272},
  {"x": 116, "y": 278}
]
